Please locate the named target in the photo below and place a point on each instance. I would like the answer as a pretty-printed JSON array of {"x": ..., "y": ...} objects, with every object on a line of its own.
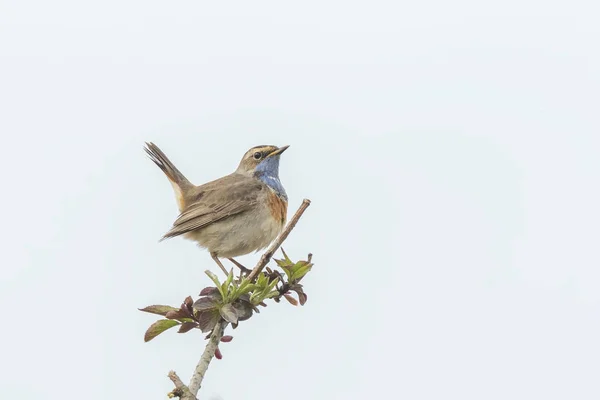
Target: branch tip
[{"x": 266, "y": 257}]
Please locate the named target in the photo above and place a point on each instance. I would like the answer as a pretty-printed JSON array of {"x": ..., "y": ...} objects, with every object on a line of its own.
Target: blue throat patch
[{"x": 268, "y": 172}]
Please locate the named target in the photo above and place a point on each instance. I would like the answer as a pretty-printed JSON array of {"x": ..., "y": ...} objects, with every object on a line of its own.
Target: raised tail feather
[{"x": 178, "y": 180}]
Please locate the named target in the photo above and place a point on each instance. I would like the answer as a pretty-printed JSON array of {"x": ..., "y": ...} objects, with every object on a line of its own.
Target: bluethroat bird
[{"x": 233, "y": 215}]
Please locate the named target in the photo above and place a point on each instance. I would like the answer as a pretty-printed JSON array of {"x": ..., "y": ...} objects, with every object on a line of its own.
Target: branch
[
  {"x": 181, "y": 390},
  {"x": 189, "y": 392},
  {"x": 209, "y": 353},
  {"x": 266, "y": 257}
]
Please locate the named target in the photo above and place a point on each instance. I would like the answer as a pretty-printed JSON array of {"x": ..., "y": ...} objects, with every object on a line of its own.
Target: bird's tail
[{"x": 178, "y": 180}]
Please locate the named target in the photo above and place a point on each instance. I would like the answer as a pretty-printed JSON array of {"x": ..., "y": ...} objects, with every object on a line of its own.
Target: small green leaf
[
  {"x": 229, "y": 313},
  {"x": 288, "y": 272},
  {"x": 247, "y": 289},
  {"x": 158, "y": 309},
  {"x": 215, "y": 279},
  {"x": 241, "y": 289},
  {"x": 271, "y": 286},
  {"x": 244, "y": 288},
  {"x": 159, "y": 327},
  {"x": 261, "y": 281},
  {"x": 265, "y": 292},
  {"x": 301, "y": 269},
  {"x": 255, "y": 298},
  {"x": 226, "y": 284},
  {"x": 233, "y": 289},
  {"x": 285, "y": 262}
]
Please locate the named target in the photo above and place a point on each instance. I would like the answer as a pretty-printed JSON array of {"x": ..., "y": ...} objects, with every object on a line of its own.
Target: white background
[{"x": 450, "y": 150}]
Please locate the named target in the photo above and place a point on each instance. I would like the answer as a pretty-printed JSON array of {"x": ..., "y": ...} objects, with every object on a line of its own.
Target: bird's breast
[{"x": 278, "y": 207}]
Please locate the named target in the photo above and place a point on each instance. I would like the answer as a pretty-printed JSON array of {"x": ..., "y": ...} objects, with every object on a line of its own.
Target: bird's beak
[{"x": 278, "y": 151}]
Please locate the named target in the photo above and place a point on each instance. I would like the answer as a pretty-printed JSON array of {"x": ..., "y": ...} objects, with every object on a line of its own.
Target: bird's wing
[{"x": 216, "y": 201}]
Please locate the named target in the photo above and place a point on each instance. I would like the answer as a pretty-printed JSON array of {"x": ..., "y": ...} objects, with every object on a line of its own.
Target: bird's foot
[{"x": 245, "y": 271}]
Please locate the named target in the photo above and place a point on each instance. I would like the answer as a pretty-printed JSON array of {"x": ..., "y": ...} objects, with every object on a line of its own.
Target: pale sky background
[{"x": 451, "y": 151}]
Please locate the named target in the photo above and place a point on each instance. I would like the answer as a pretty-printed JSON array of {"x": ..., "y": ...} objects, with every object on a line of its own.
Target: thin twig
[
  {"x": 209, "y": 353},
  {"x": 181, "y": 390},
  {"x": 266, "y": 257}
]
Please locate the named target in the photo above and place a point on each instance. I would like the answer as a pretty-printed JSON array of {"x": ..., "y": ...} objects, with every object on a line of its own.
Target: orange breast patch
[{"x": 278, "y": 207}]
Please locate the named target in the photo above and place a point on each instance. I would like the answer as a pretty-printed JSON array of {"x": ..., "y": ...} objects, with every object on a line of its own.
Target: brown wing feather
[{"x": 217, "y": 200}]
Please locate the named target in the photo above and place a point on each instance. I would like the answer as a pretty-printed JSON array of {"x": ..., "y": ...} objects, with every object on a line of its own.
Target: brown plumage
[{"x": 233, "y": 215}]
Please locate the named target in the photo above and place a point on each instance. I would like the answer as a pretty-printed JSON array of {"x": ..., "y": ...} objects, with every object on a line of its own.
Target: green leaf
[
  {"x": 261, "y": 281},
  {"x": 301, "y": 269},
  {"x": 159, "y": 327},
  {"x": 262, "y": 288},
  {"x": 247, "y": 289},
  {"x": 158, "y": 309},
  {"x": 236, "y": 285},
  {"x": 215, "y": 279},
  {"x": 288, "y": 272},
  {"x": 225, "y": 286},
  {"x": 241, "y": 289},
  {"x": 265, "y": 293},
  {"x": 285, "y": 262},
  {"x": 271, "y": 286},
  {"x": 229, "y": 313}
]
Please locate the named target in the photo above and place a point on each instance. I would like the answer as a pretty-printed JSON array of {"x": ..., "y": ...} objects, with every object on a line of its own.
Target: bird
[{"x": 233, "y": 215}]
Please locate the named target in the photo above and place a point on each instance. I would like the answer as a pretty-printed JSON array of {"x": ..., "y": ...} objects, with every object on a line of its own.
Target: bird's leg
[
  {"x": 214, "y": 257},
  {"x": 240, "y": 266}
]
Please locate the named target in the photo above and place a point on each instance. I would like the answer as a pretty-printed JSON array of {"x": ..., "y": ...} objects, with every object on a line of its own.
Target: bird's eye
[{"x": 257, "y": 155}]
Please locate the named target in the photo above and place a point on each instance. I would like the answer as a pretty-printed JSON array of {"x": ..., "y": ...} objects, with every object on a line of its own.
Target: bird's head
[{"x": 261, "y": 160}]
